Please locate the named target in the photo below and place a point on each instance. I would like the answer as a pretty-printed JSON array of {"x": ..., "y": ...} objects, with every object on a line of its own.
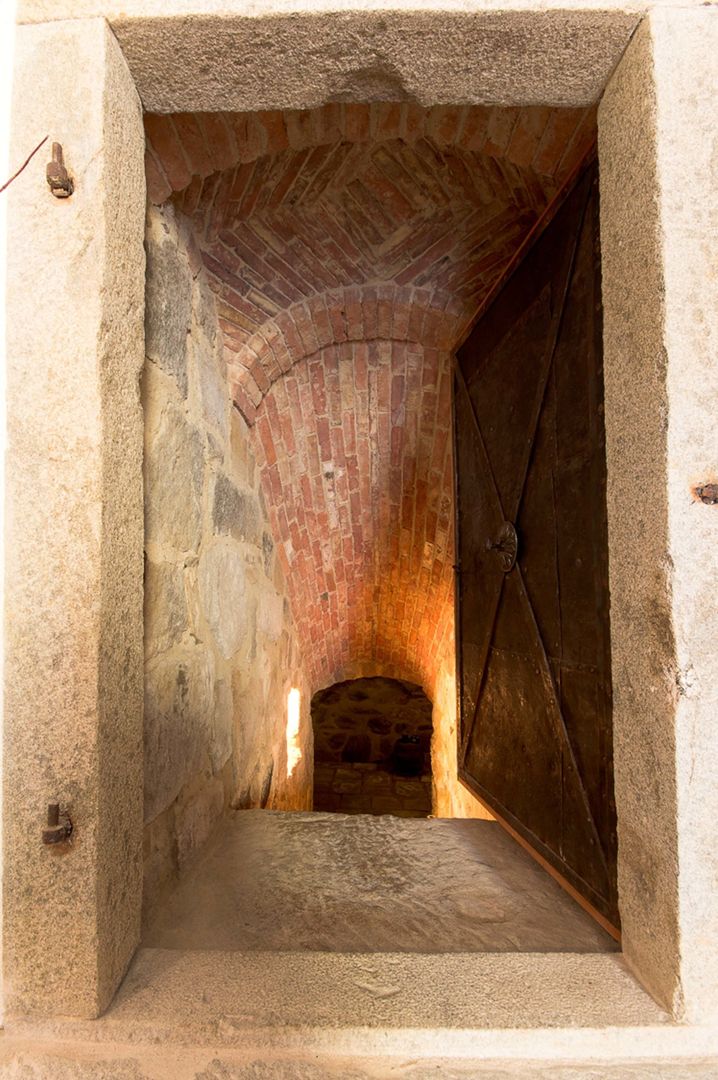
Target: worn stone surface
[
  {"x": 168, "y": 306},
  {"x": 441, "y": 1003},
  {"x": 73, "y": 660},
  {"x": 196, "y": 818},
  {"x": 335, "y": 883},
  {"x": 221, "y": 739},
  {"x": 271, "y": 615},
  {"x": 179, "y": 700},
  {"x": 116, "y": 1062},
  {"x": 223, "y": 592},
  {"x": 661, "y": 402},
  {"x": 236, "y": 513},
  {"x": 208, "y": 372},
  {"x": 174, "y": 471},
  {"x": 484, "y": 53},
  {"x": 43, "y": 1066},
  {"x": 165, "y": 606},
  {"x": 686, "y": 72}
]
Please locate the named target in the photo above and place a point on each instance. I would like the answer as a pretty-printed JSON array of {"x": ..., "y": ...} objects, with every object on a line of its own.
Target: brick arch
[
  {"x": 184, "y": 150},
  {"x": 314, "y": 226},
  {"x": 385, "y": 312},
  {"x": 354, "y": 451}
]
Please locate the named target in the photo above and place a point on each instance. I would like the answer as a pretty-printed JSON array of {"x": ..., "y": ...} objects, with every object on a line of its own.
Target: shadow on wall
[{"x": 372, "y": 748}]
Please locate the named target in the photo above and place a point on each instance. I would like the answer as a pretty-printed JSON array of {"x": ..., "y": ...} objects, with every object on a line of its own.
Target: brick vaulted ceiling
[{"x": 349, "y": 248}]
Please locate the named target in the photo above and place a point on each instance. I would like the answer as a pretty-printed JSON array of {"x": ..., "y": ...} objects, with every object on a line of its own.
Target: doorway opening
[
  {"x": 372, "y": 748},
  {"x": 328, "y": 265}
]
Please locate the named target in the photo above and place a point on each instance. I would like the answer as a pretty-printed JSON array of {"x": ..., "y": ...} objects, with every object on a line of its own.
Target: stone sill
[{"x": 508, "y": 1007}]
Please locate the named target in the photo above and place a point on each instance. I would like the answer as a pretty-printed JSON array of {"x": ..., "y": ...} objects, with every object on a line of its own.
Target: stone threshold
[{"x": 512, "y": 1008}]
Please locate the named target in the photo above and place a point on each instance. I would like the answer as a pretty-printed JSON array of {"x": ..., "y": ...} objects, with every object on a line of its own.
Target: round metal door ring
[{"x": 506, "y": 545}]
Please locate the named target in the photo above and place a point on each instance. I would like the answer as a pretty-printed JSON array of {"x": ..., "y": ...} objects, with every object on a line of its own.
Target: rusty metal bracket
[
  {"x": 57, "y": 831},
  {"x": 58, "y": 178},
  {"x": 706, "y": 493}
]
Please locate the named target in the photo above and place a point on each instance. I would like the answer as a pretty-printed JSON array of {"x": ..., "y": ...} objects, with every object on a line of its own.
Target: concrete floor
[{"x": 285, "y": 882}]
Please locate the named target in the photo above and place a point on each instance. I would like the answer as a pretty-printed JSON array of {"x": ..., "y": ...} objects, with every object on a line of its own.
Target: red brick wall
[{"x": 354, "y": 451}]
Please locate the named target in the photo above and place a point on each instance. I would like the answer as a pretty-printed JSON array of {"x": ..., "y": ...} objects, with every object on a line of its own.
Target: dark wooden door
[{"x": 533, "y": 645}]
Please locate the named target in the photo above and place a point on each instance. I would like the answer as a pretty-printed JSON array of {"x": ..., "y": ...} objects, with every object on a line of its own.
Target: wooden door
[{"x": 533, "y": 646}]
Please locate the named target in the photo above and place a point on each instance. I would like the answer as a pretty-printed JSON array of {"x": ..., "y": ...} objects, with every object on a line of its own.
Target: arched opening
[{"x": 372, "y": 748}]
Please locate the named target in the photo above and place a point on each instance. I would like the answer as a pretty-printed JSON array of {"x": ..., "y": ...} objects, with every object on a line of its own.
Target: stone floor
[
  {"x": 324, "y": 946},
  {"x": 274, "y": 881}
]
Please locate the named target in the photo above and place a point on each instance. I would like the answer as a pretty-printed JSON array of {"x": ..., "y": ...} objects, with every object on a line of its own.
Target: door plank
[{"x": 533, "y": 644}]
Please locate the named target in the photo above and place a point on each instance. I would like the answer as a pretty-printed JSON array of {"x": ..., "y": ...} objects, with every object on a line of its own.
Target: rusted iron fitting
[
  {"x": 706, "y": 493},
  {"x": 59, "y": 825},
  {"x": 58, "y": 178}
]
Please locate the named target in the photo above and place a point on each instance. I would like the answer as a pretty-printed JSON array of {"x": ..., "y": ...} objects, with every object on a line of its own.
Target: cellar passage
[
  {"x": 372, "y": 741},
  {"x": 309, "y": 275}
]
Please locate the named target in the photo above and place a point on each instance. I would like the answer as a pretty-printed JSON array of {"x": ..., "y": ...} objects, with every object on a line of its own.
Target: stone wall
[
  {"x": 362, "y": 787},
  {"x": 356, "y": 726},
  {"x": 361, "y": 719},
  {"x": 221, "y": 653}
]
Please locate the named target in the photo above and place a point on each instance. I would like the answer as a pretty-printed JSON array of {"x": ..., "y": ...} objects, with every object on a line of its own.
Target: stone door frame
[{"x": 75, "y": 624}]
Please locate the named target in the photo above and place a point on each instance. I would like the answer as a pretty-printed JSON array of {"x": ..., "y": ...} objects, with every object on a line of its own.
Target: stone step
[{"x": 273, "y": 1016}]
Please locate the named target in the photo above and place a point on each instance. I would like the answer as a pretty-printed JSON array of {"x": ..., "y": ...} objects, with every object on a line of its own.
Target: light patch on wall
[{"x": 294, "y": 752}]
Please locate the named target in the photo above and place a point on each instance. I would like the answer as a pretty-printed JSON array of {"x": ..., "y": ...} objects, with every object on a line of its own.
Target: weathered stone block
[
  {"x": 385, "y": 804},
  {"x": 236, "y": 513},
  {"x": 358, "y": 748},
  {"x": 323, "y": 773},
  {"x": 418, "y": 806},
  {"x": 380, "y": 725},
  {"x": 347, "y": 781},
  {"x": 353, "y": 804},
  {"x": 223, "y": 592},
  {"x": 410, "y": 789},
  {"x": 196, "y": 818},
  {"x": 270, "y": 615},
  {"x": 267, "y": 553},
  {"x": 254, "y": 788},
  {"x": 166, "y": 614},
  {"x": 168, "y": 298},
  {"x": 222, "y": 722},
  {"x": 73, "y": 553},
  {"x": 210, "y": 379},
  {"x": 174, "y": 470},
  {"x": 179, "y": 697},
  {"x": 243, "y": 465},
  {"x": 378, "y": 781}
]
